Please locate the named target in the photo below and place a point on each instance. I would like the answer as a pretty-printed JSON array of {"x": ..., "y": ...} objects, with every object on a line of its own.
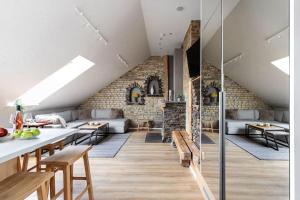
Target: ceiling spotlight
[
  {"x": 179, "y": 8},
  {"x": 170, "y": 33}
]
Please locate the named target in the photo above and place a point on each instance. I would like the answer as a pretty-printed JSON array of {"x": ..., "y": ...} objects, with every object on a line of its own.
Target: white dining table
[{"x": 16, "y": 147}]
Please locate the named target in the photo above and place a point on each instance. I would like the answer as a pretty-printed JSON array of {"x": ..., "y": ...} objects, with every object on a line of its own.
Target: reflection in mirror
[
  {"x": 256, "y": 55},
  {"x": 256, "y": 52},
  {"x": 210, "y": 87}
]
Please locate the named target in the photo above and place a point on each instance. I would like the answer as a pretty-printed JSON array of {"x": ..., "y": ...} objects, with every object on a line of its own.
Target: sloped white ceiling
[
  {"x": 39, "y": 37},
  {"x": 245, "y": 31},
  {"x": 162, "y": 18}
]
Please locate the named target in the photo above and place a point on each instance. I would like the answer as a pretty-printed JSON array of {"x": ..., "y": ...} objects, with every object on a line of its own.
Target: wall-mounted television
[{"x": 193, "y": 58}]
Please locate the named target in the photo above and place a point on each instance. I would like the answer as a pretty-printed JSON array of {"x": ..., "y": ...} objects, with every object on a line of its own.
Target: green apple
[
  {"x": 26, "y": 134},
  {"x": 35, "y": 132},
  {"x": 17, "y": 133}
]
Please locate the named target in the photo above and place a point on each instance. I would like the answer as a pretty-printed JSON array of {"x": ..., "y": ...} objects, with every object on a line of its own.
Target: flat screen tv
[{"x": 193, "y": 57}]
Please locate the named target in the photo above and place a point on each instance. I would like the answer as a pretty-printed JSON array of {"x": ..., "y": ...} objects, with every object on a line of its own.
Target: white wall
[
  {"x": 39, "y": 37},
  {"x": 245, "y": 31},
  {"x": 296, "y": 100}
]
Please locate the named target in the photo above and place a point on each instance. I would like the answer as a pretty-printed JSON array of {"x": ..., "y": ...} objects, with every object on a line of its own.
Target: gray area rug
[
  {"x": 153, "y": 137},
  {"x": 257, "y": 148},
  {"x": 206, "y": 140},
  {"x": 109, "y": 146}
]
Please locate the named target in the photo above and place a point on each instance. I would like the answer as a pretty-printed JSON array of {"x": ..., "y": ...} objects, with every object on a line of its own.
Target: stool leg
[
  {"x": 61, "y": 145},
  {"x": 52, "y": 182},
  {"x": 88, "y": 176},
  {"x": 51, "y": 150},
  {"x": 25, "y": 162},
  {"x": 38, "y": 156},
  {"x": 42, "y": 192},
  {"x": 67, "y": 187}
]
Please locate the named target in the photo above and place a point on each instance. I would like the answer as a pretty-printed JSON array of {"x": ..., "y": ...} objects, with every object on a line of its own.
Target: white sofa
[
  {"x": 76, "y": 118},
  {"x": 235, "y": 123}
]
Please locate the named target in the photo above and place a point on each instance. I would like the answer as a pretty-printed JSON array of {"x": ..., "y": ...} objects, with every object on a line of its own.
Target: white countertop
[{"x": 16, "y": 147}]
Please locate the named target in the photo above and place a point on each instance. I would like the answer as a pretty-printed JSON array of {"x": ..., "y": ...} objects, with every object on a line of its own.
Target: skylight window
[
  {"x": 283, "y": 64},
  {"x": 55, "y": 81}
]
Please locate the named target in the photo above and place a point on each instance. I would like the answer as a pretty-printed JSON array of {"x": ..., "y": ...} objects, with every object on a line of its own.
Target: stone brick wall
[
  {"x": 196, "y": 111},
  {"x": 191, "y": 36},
  {"x": 174, "y": 118},
  {"x": 237, "y": 97},
  {"x": 113, "y": 96}
]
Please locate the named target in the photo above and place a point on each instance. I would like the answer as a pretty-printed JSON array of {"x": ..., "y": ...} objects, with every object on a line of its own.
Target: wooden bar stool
[
  {"x": 38, "y": 155},
  {"x": 21, "y": 185},
  {"x": 64, "y": 161}
]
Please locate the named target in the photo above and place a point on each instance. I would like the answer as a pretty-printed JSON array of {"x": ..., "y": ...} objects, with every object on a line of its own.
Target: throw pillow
[
  {"x": 286, "y": 117},
  {"x": 84, "y": 114},
  {"x": 278, "y": 115},
  {"x": 268, "y": 115},
  {"x": 231, "y": 114}
]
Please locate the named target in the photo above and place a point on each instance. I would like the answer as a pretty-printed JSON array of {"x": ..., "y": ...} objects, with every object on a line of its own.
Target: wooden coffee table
[
  {"x": 275, "y": 138},
  {"x": 101, "y": 130},
  {"x": 262, "y": 130}
]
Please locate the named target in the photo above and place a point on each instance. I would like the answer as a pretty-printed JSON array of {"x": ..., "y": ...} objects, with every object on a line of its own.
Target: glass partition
[
  {"x": 256, "y": 51},
  {"x": 210, "y": 88}
]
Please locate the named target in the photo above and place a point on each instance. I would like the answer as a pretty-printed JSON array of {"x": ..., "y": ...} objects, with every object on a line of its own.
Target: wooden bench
[
  {"x": 187, "y": 149},
  {"x": 185, "y": 154},
  {"x": 21, "y": 185}
]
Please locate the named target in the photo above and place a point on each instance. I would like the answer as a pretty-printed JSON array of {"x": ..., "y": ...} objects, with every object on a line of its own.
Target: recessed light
[
  {"x": 170, "y": 33},
  {"x": 179, "y": 8}
]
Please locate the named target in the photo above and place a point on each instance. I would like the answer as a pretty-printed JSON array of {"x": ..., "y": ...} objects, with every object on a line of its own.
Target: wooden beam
[{"x": 166, "y": 77}]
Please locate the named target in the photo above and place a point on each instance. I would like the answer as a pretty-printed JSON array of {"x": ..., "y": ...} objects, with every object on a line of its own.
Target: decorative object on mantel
[
  {"x": 135, "y": 94},
  {"x": 210, "y": 93},
  {"x": 153, "y": 86},
  {"x": 170, "y": 95}
]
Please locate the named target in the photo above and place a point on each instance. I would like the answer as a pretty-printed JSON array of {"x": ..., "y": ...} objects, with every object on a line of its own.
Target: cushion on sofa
[
  {"x": 245, "y": 114},
  {"x": 50, "y": 118},
  {"x": 75, "y": 115},
  {"x": 278, "y": 115},
  {"x": 109, "y": 113},
  {"x": 268, "y": 115},
  {"x": 84, "y": 114},
  {"x": 286, "y": 117},
  {"x": 231, "y": 114},
  {"x": 101, "y": 113},
  {"x": 116, "y": 113}
]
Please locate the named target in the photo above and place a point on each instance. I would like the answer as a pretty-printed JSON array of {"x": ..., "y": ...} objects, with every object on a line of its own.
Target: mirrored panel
[
  {"x": 256, "y": 55},
  {"x": 210, "y": 88}
]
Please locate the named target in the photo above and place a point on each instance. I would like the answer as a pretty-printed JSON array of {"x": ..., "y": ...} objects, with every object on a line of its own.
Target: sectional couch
[
  {"x": 236, "y": 119},
  {"x": 76, "y": 118}
]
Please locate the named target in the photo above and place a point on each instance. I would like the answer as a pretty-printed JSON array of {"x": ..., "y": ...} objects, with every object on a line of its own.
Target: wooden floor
[
  {"x": 143, "y": 171},
  {"x": 247, "y": 177}
]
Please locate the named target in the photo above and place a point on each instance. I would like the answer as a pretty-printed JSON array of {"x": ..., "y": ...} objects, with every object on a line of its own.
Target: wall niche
[
  {"x": 135, "y": 94},
  {"x": 210, "y": 93},
  {"x": 153, "y": 86}
]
